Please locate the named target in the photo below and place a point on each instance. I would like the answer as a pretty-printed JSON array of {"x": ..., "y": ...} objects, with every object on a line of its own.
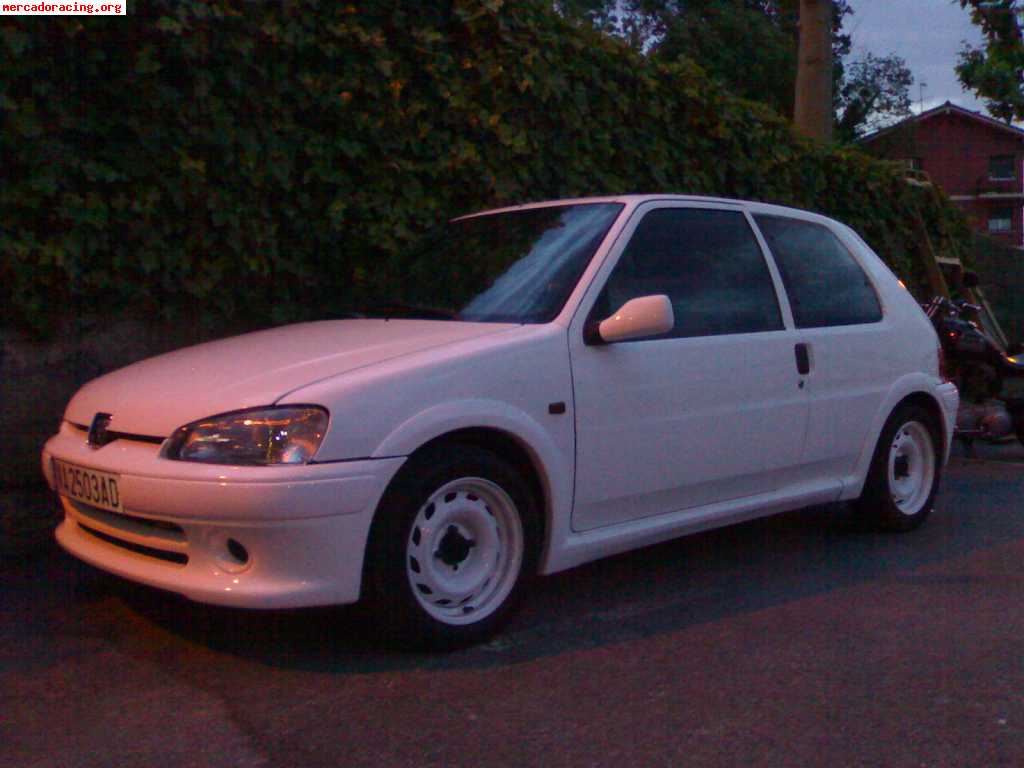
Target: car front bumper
[{"x": 302, "y": 529}]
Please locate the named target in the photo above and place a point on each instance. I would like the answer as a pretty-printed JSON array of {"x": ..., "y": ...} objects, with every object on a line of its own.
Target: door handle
[{"x": 803, "y": 359}]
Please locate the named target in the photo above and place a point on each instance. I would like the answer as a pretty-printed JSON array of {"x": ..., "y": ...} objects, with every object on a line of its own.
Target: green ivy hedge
[{"x": 272, "y": 159}]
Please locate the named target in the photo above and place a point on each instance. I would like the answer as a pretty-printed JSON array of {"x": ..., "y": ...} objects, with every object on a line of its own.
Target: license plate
[{"x": 99, "y": 489}]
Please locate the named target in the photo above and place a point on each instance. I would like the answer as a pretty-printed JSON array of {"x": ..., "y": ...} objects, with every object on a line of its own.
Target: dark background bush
[
  {"x": 1002, "y": 272},
  {"x": 270, "y": 160}
]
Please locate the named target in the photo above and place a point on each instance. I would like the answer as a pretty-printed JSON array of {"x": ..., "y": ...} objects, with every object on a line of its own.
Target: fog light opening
[{"x": 239, "y": 553}]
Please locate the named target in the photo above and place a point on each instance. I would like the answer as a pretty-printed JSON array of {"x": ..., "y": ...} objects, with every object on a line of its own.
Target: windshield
[{"x": 514, "y": 267}]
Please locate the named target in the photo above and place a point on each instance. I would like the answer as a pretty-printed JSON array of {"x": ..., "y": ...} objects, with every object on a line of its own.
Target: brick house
[{"x": 976, "y": 160}]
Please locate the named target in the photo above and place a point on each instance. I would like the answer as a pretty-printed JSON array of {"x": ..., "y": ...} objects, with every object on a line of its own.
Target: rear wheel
[
  {"x": 904, "y": 476},
  {"x": 453, "y": 539},
  {"x": 1017, "y": 413}
]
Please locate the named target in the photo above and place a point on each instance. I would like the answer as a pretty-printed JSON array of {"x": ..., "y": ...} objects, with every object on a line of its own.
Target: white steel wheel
[
  {"x": 903, "y": 478},
  {"x": 464, "y": 551},
  {"x": 454, "y": 541},
  {"x": 911, "y": 467}
]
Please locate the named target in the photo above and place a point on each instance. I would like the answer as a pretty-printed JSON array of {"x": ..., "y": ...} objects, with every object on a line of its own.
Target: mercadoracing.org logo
[{"x": 63, "y": 9}]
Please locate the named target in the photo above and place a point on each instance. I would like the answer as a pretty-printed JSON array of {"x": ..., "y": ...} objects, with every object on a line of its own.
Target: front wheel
[
  {"x": 904, "y": 475},
  {"x": 452, "y": 541}
]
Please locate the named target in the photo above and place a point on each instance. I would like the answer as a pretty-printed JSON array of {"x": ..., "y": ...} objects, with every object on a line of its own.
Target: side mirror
[
  {"x": 970, "y": 279},
  {"x": 643, "y": 316}
]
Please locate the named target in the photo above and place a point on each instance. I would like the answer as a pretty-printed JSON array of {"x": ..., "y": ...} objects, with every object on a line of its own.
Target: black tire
[
  {"x": 891, "y": 500},
  {"x": 1017, "y": 413},
  {"x": 416, "y": 548}
]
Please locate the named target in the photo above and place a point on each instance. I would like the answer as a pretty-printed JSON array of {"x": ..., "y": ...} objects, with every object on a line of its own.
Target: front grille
[
  {"x": 179, "y": 558},
  {"x": 113, "y": 435}
]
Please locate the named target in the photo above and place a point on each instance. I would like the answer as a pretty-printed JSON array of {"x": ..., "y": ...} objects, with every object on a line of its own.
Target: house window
[
  {"x": 910, "y": 163},
  {"x": 1000, "y": 220},
  {"x": 1002, "y": 168}
]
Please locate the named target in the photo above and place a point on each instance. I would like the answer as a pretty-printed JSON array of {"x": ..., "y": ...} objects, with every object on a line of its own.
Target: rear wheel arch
[
  {"x": 931, "y": 405},
  {"x": 914, "y": 389},
  {"x": 895, "y": 498},
  {"x": 912, "y": 397}
]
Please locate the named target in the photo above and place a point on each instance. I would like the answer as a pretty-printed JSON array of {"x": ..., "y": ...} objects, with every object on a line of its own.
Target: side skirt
[{"x": 584, "y": 547}]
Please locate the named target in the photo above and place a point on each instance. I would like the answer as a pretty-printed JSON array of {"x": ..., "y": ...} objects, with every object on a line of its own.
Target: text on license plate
[{"x": 100, "y": 489}]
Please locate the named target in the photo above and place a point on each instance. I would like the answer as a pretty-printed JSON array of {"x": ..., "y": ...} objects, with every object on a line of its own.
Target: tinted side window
[
  {"x": 709, "y": 265},
  {"x": 826, "y": 286}
]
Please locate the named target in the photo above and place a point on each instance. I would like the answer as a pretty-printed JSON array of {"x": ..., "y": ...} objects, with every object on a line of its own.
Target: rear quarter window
[{"x": 825, "y": 284}]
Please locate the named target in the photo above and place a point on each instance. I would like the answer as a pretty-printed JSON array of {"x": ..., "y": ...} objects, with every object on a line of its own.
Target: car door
[
  {"x": 838, "y": 315},
  {"x": 714, "y": 409}
]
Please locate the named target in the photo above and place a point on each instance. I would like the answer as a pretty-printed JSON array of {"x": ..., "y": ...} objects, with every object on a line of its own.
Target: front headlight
[{"x": 285, "y": 435}]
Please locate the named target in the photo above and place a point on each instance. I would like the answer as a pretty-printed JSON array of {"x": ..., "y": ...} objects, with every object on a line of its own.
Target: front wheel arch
[
  {"x": 516, "y": 453},
  {"x": 394, "y": 546}
]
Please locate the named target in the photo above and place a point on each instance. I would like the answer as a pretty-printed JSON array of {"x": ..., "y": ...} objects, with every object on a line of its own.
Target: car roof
[{"x": 632, "y": 201}]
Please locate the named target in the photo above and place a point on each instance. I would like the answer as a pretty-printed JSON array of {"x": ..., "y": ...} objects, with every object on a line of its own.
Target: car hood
[{"x": 155, "y": 396}]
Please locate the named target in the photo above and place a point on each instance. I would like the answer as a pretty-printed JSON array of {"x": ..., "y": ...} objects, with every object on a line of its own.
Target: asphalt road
[{"x": 796, "y": 640}]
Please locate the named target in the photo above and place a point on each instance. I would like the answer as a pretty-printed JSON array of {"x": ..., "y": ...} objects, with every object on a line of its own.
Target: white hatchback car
[{"x": 593, "y": 375}]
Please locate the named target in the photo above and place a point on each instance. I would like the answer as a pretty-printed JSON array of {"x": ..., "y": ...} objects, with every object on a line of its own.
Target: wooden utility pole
[{"x": 813, "y": 114}]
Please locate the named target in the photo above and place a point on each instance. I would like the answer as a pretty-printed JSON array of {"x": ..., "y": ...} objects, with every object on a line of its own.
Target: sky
[{"x": 928, "y": 34}]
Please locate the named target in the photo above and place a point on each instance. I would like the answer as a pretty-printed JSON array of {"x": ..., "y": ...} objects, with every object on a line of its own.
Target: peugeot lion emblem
[{"x": 98, "y": 436}]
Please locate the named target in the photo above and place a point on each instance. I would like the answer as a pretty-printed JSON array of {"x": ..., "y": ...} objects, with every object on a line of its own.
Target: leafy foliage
[
  {"x": 275, "y": 161},
  {"x": 640, "y": 23},
  {"x": 750, "y": 46},
  {"x": 996, "y": 71},
  {"x": 876, "y": 92},
  {"x": 750, "y": 52}
]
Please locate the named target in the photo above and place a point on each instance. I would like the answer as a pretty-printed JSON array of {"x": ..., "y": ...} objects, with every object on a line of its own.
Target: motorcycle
[{"x": 991, "y": 381}]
